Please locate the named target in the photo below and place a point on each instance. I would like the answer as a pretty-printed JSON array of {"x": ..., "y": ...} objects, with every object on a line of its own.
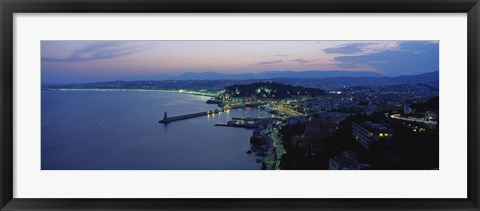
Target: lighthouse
[
  {"x": 165, "y": 117},
  {"x": 164, "y": 120}
]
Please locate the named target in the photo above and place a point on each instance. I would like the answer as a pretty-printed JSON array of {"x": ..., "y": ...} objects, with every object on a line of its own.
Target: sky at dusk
[{"x": 90, "y": 61}]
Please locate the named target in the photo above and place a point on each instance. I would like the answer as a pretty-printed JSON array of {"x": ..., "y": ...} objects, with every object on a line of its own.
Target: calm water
[{"x": 120, "y": 130}]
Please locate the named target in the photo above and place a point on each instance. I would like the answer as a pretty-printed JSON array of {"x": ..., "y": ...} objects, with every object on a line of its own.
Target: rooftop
[{"x": 374, "y": 127}]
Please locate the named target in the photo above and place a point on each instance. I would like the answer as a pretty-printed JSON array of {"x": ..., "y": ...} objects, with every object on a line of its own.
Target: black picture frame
[{"x": 9, "y": 7}]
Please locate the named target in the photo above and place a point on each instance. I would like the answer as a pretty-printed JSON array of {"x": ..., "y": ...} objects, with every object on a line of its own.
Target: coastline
[
  {"x": 271, "y": 158},
  {"x": 139, "y": 90}
]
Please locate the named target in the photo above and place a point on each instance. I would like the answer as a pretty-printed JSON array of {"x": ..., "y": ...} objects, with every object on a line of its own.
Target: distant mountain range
[
  {"x": 314, "y": 81},
  {"x": 262, "y": 75}
]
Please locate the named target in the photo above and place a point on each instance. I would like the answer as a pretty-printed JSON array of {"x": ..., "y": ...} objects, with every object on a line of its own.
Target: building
[
  {"x": 347, "y": 161},
  {"x": 322, "y": 125},
  {"x": 318, "y": 127},
  {"x": 368, "y": 132}
]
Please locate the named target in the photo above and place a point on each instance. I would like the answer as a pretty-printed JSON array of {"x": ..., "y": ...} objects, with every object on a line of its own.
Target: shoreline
[
  {"x": 270, "y": 159},
  {"x": 139, "y": 90}
]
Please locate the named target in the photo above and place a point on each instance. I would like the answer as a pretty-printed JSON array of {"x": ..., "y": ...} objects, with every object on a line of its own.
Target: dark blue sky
[{"x": 410, "y": 58}]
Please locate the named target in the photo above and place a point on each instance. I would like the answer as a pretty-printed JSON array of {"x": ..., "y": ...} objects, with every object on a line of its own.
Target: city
[
  {"x": 240, "y": 105},
  {"x": 344, "y": 128}
]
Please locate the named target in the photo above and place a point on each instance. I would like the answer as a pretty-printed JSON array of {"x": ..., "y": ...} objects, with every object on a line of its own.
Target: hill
[{"x": 271, "y": 90}]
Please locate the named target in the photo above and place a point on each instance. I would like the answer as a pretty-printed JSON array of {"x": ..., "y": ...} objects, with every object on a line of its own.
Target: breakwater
[{"x": 167, "y": 119}]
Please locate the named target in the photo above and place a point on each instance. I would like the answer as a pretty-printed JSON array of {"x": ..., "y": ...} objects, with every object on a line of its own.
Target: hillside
[{"x": 270, "y": 90}]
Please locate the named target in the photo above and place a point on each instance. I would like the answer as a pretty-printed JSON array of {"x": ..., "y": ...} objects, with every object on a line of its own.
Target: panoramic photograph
[{"x": 239, "y": 105}]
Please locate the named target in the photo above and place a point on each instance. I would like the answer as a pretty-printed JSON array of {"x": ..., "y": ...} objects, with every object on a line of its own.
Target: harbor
[{"x": 225, "y": 108}]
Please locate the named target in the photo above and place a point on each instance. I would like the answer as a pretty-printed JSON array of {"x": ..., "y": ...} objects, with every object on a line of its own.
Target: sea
[{"x": 119, "y": 130}]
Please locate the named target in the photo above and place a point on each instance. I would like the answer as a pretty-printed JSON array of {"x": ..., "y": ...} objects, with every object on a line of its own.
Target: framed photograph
[{"x": 252, "y": 105}]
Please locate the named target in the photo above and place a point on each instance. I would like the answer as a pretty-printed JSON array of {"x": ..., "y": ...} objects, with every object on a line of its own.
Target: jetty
[{"x": 167, "y": 119}]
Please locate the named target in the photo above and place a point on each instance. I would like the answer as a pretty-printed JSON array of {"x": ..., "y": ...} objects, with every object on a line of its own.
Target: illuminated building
[{"x": 368, "y": 132}]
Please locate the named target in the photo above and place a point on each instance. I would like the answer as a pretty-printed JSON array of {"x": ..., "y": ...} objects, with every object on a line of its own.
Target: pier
[{"x": 167, "y": 119}]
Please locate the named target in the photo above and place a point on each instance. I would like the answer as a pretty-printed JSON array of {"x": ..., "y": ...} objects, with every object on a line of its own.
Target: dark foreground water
[{"x": 106, "y": 130}]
